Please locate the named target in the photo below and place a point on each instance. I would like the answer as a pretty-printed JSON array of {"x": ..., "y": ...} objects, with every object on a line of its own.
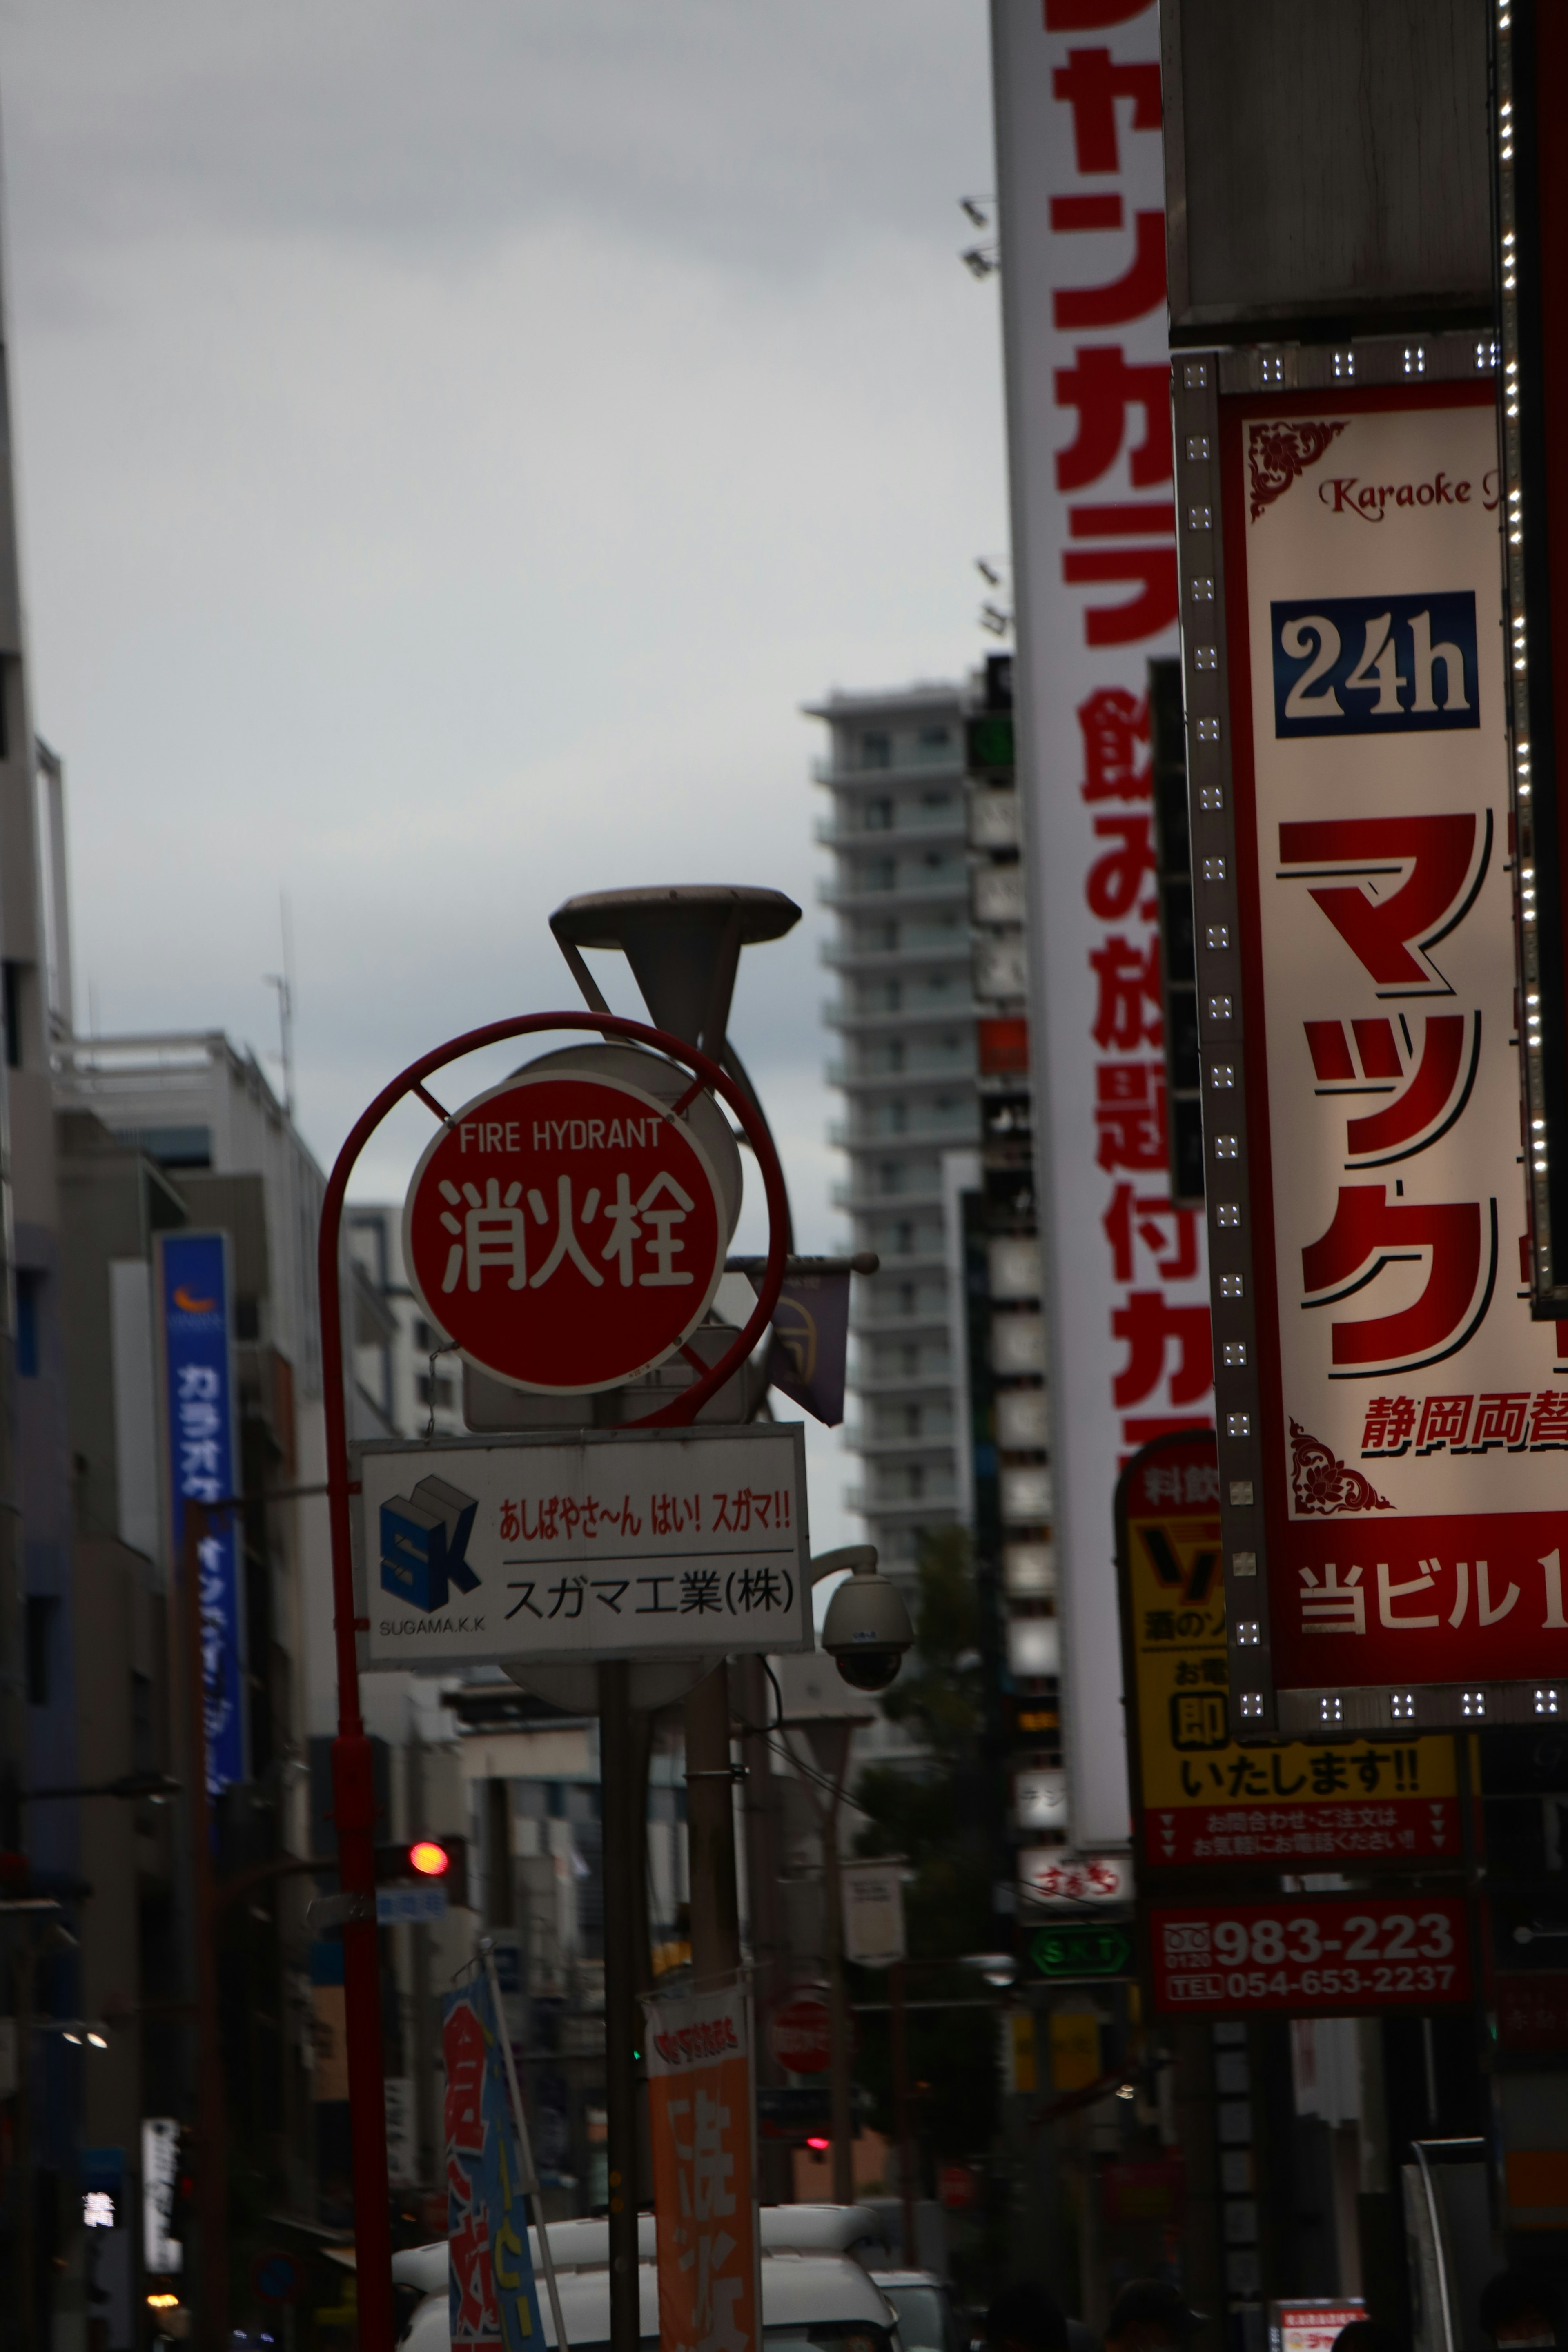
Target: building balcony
[
  {"x": 903, "y": 1019},
  {"x": 935, "y": 1510},
  {"x": 927, "y": 1446},
  {"x": 949, "y": 764},
  {"x": 903, "y": 1384},
  {"x": 948, "y": 948},
  {"x": 949, "y": 892},
  {"x": 911, "y": 823},
  {"x": 899, "y": 1326},
  {"x": 956, "y": 1136},
  {"x": 860, "y": 1203},
  {"x": 912, "y": 1080}
]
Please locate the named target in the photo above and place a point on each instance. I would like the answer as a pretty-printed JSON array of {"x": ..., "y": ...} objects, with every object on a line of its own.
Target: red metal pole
[{"x": 354, "y": 1791}]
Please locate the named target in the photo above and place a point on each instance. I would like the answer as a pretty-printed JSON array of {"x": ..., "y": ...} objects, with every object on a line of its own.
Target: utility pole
[
  {"x": 842, "y": 2119},
  {"x": 899, "y": 2019},
  {"x": 829, "y": 1736},
  {"x": 501, "y": 1897},
  {"x": 624, "y": 1843},
  {"x": 761, "y": 1808},
  {"x": 711, "y": 1827}
]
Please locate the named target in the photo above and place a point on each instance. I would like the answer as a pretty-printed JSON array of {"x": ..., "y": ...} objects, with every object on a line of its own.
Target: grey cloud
[{"x": 764, "y": 137}]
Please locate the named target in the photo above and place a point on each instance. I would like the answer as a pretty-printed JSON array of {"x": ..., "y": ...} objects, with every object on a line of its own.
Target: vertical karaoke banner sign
[
  {"x": 194, "y": 1313},
  {"x": 1081, "y": 196},
  {"x": 492, "y": 2297},
  {"x": 1411, "y": 1414}
]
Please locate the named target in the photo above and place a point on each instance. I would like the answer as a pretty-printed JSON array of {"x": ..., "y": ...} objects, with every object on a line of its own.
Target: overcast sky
[{"x": 452, "y": 440}]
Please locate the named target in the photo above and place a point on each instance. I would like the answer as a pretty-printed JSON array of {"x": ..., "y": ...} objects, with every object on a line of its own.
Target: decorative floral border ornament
[
  {"x": 1322, "y": 1485},
  {"x": 1277, "y": 453}
]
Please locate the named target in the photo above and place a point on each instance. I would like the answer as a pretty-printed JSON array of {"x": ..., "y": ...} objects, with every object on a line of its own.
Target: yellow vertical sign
[{"x": 1205, "y": 1799}]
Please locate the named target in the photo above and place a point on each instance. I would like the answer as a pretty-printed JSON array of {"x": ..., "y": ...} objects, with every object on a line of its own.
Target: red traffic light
[{"x": 426, "y": 1862}]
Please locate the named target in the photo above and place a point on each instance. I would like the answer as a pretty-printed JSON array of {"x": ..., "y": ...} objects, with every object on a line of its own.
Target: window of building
[
  {"x": 12, "y": 974},
  {"x": 171, "y": 1147},
  {"x": 27, "y": 1288},
  {"x": 438, "y": 1392},
  {"x": 41, "y": 1612},
  {"x": 879, "y": 816},
  {"x": 143, "y": 1747},
  {"x": 247, "y": 1318},
  {"x": 877, "y": 750}
]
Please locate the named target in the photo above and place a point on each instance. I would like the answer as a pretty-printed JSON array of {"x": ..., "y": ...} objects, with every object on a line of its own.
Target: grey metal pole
[
  {"x": 711, "y": 1827},
  {"x": 838, "y": 2012},
  {"x": 901, "y": 2039},
  {"x": 764, "y": 1903},
  {"x": 528, "y": 2176},
  {"x": 624, "y": 1840}
]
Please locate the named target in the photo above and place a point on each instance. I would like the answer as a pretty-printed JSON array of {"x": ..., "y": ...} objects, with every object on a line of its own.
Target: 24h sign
[{"x": 567, "y": 1233}]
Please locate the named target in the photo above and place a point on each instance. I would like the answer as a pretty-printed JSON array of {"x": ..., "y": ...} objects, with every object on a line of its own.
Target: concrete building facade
[{"x": 905, "y": 1014}]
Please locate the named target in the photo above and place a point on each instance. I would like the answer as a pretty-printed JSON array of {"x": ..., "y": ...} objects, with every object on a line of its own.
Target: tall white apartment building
[{"x": 906, "y": 1016}]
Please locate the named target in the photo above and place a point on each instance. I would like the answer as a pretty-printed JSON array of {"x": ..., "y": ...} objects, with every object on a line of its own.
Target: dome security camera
[{"x": 867, "y": 1630}]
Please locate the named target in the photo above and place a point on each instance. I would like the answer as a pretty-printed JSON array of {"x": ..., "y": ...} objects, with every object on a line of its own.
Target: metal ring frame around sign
[{"x": 354, "y": 1792}]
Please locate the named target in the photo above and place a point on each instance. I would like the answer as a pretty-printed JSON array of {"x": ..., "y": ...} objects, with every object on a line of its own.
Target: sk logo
[{"x": 424, "y": 1543}]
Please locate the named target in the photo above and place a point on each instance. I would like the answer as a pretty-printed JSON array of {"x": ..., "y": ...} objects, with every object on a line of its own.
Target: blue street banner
[
  {"x": 493, "y": 2298},
  {"x": 811, "y": 1338},
  {"x": 194, "y": 1312}
]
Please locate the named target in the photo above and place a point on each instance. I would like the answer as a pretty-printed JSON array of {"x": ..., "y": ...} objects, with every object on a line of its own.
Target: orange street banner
[{"x": 699, "y": 2117}]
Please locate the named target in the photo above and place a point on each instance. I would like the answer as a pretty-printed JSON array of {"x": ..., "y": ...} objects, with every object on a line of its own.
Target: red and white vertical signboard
[
  {"x": 700, "y": 2109},
  {"x": 1083, "y": 280},
  {"x": 1412, "y": 1417}
]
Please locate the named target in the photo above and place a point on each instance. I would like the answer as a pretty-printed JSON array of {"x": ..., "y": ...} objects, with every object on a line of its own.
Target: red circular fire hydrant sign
[{"x": 567, "y": 1233}]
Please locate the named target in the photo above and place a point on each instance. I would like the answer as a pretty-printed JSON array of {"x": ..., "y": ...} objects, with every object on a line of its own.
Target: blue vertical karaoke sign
[{"x": 198, "y": 1405}]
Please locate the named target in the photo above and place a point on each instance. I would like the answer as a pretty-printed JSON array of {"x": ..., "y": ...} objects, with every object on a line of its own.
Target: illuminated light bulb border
[{"x": 1517, "y": 672}]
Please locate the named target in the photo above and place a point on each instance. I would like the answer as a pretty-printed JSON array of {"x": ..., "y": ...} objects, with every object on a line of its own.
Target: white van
[{"x": 816, "y": 2295}]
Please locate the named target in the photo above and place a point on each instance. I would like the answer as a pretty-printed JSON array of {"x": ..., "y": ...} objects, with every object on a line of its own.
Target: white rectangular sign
[
  {"x": 1052, "y": 1879},
  {"x": 614, "y": 1544},
  {"x": 1083, "y": 284},
  {"x": 1411, "y": 1416},
  {"x": 162, "y": 2256},
  {"x": 874, "y": 1913}
]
